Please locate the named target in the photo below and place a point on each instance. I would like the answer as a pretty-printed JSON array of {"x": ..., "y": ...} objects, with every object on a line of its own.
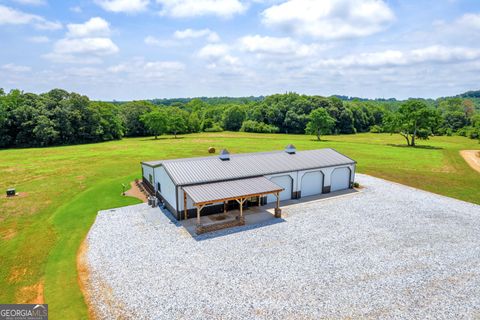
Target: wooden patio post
[
  {"x": 224, "y": 207},
  {"x": 278, "y": 211},
  {"x": 198, "y": 215},
  {"x": 241, "y": 208},
  {"x": 240, "y": 202}
]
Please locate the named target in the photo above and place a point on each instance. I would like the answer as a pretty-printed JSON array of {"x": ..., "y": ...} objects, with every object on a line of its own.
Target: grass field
[{"x": 62, "y": 188}]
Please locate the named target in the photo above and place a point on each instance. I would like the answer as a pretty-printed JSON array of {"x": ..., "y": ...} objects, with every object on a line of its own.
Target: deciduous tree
[
  {"x": 320, "y": 123},
  {"x": 155, "y": 121},
  {"x": 131, "y": 112},
  {"x": 177, "y": 121},
  {"x": 412, "y": 120},
  {"x": 233, "y": 118}
]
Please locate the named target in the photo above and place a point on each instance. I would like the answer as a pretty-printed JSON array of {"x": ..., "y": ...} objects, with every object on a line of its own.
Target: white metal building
[{"x": 257, "y": 178}]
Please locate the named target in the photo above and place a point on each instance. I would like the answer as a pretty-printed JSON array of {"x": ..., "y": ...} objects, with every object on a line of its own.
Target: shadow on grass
[
  {"x": 323, "y": 140},
  {"x": 162, "y": 138},
  {"x": 415, "y": 147}
]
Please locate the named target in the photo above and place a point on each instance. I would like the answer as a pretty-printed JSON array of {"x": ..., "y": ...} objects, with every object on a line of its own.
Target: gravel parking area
[{"x": 389, "y": 251}]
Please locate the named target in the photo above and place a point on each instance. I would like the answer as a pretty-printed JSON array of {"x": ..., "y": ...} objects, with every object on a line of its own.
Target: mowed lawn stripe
[{"x": 71, "y": 223}]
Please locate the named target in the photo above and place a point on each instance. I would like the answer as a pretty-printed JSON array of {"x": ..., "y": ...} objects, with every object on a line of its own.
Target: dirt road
[{"x": 472, "y": 157}]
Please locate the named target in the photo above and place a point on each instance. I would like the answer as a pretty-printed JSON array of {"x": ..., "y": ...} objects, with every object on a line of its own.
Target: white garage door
[
  {"x": 284, "y": 182},
  {"x": 312, "y": 183},
  {"x": 340, "y": 179}
]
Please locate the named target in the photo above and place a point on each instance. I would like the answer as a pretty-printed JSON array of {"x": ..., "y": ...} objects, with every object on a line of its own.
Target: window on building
[
  {"x": 150, "y": 179},
  {"x": 159, "y": 187}
]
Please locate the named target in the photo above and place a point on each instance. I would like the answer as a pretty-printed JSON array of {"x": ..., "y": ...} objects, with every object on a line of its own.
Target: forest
[{"x": 59, "y": 117}]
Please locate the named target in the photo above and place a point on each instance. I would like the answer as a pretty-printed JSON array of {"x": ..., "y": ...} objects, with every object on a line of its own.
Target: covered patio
[{"x": 235, "y": 190}]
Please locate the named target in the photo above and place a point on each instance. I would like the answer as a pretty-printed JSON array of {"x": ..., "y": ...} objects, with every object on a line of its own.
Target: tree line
[{"x": 59, "y": 117}]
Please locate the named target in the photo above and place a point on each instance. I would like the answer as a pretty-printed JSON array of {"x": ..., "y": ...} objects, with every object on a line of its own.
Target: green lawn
[{"x": 62, "y": 188}]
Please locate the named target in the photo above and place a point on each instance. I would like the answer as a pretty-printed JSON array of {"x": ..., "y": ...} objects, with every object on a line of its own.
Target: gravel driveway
[{"x": 388, "y": 252}]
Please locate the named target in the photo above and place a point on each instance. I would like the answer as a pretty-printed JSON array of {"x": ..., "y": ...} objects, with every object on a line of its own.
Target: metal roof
[
  {"x": 218, "y": 191},
  {"x": 210, "y": 169}
]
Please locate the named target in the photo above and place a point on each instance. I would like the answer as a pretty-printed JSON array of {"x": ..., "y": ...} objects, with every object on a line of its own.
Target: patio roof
[{"x": 230, "y": 190}]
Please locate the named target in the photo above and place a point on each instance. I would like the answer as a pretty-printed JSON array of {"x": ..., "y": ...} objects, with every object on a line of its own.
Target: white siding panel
[
  {"x": 312, "y": 183},
  {"x": 340, "y": 179},
  {"x": 180, "y": 201},
  {"x": 167, "y": 188},
  {"x": 285, "y": 182},
  {"x": 147, "y": 171}
]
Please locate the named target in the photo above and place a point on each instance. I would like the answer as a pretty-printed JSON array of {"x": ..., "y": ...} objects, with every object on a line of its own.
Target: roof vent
[
  {"x": 290, "y": 149},
  {"x": 224, "y": 155}
]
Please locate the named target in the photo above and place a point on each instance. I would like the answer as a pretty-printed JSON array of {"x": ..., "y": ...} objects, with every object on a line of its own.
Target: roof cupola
[{"x": 224, "y": 155}]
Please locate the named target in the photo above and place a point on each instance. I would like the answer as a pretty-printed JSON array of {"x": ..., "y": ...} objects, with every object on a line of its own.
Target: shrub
[
  {"x": 473, "y": 133},
  {"x": 424, "y": 134},
  {"x": 376, "y": 129},
  {"x": 441, "y": 131},
  {"x": 259, "y": 127},
  {"x": 356, "y": 184},
  {"x": 214, "y": 128},
  {"x": 463, "y": 131}
]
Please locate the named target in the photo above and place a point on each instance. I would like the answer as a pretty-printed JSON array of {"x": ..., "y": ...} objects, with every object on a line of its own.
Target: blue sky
[{"x": 139, "y": 49}]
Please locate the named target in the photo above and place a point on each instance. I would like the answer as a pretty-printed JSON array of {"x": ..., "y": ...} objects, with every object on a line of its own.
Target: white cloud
[
  {"x": 159, "y": 67},
  {"x": 213, "y": 51},
  {"x": 371, "y": 59},
  {"x": 32, "y": 2},
  {"x": 192, "y": 8},
  {"x": 141, "y": 69},
  {"x": 126, "y": 6},
  {"x": 93, "y": 46},
  {"x": 95, "y": 27},
  {"x": 444, "y": 54},
  {"x": 154, "y": 41},
  {"x": 218, "y": 57},
  {"x": 193, "y": 34},
  {"x": 86, "y": 72},
  {"x": 469, "y": 20},
  {"x": 48, "y": 25},
  {"x": 389, "y": 58},
  {"x": 76, "y": 9},
  {"x": 16, "y": 17},
  {"x": 277, "y": 46},
  {"x": 11, "y": 67},
  {"x": 39, "y": 39},
  {"x": 463, "y": 29},
  {"x": 84, "y": 43},
  {"x": 71, "y": 59},
  {"x": 330, "y": 19},
  {"x": 82, "y": 50},
  {"x": 180, "y": 35}
]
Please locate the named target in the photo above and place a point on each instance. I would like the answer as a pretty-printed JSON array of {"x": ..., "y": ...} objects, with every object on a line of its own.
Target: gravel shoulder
[{"x": 390, "y": 251}]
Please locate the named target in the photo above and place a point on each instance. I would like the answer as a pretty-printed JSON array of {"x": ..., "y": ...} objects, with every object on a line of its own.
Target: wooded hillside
[{"x": 59, "y": 117}]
